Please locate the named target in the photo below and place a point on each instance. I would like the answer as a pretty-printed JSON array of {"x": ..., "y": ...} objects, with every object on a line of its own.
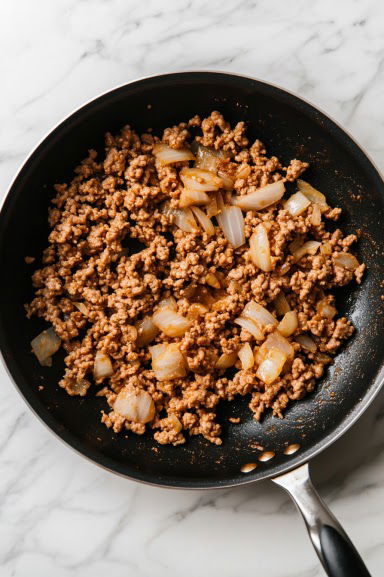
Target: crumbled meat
[{"x": 115, "y": 250}]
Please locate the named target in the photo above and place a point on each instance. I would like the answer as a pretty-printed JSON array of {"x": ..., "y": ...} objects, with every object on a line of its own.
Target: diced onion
[
  {"x": 260, "y": 249},
  {"x": 185, "y": 221},
  {"x": 297, "y": 204},
  {"x": 192, "y": 197},
  {"x": 243, "y": 171},
  {"x": 226, "y": 360},
  {"x": 80, "y": 388},
  {"x": 212, "y": 208},
  {"x": 288, "y": 324},
  {"x": 309, "y": 247},
  {"x": 168, "y": 303},
  {"x": 212, "y": 280},
  {"x": 175, "y": 422},
  {"x": 315, "y": 196},
  {"x": 258, "y": 314},
  {"x": 135, "y": 406},
  {"x": 167, "y": 155},
  {"x": 146, "y": 332},
  {"x": 271, "y": 366},
  {"x": 307, "y": 343},
  {"x": 208, "y": 158},
  {"x": 316, "y": 215},
  {"x": 196, "y": 310},
  {"x": 183, "y": 217},
  {"x": 281, "y": 305},
  {"x": 227, "y": 181},
  {"x": 251, "y": 327},
  {"x": 167, "y": 362},
  {"x": 198, "y": 179},
  {"x": 261, "y": 198},
  {"x": 82, "y": 307},
  {"x": 102, "y": 367},
  {"x": 246, "y": 357},
  {"x": 205, "y": 222},
  {"x": 326, "y": 248},
  {"x": 170, "y": 322},
  {"x": 231, "y": 222},
  {"x": 325, "y": 309},
  {"x": 275, "y": 341},
  {"x": 46, "y": 344},
  {"x": 346, "y": 260}
]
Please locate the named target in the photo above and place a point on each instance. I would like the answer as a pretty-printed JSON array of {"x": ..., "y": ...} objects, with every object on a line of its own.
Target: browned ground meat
[{"x": 121, "y": 197}]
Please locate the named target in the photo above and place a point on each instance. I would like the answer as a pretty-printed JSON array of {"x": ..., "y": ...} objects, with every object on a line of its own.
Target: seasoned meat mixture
[{"x": 185, "y": 271}]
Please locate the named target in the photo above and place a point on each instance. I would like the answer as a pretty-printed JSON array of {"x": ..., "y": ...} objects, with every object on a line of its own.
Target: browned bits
[{"x": 119, "y": 245}]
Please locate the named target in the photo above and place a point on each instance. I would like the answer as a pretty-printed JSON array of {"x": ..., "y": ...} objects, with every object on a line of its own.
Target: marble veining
[{"x": 61, "y": 515}]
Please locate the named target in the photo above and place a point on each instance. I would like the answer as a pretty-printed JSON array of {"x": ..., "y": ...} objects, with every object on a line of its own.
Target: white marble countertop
[{"x": 62, "y": 516}]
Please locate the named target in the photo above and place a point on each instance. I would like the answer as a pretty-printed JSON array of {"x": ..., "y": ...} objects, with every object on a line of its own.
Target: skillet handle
[{"x": 332, "y": 545}]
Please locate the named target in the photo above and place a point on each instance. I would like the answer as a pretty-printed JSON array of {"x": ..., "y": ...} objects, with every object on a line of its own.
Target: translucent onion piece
[
  {"x": 260, "y": 249},
  {"x": 191, "y": 197},
  {"x": 226, "y": 360},
  {"x": 208, "y": 158},
  {"x": 251, "y": 327},
  {"x": 220, "y": 202},
  {"x": 312, "y": 194},
  {"x": 167, "y": 362},
  {"x": 346, "y": 260},
  {"x": 275, "y": 341},
  {"x": 170, "y": 322},
  {"x": 231, "y": 222},
  {"x": 205, "y": 222},
  {"x": 325, "y": 309},
  {"x": 258, "y": 314},
  {"x": 167, "y": 155},
  {"x": 281, "y": 305},
  {"x": 168, "y": 303},
  {"x": 198, "y": 179},
  {"x": 316, "y": 215},
  {"x": 227, "y": 181},
  {"x": 175, "y": 422},
  {"x": 297, "y": 204},
  {"x": 185, "y": 221},
  {"x": 246, "y": 357},
  {"x": 261, "y": 198},
  {"x": 307, "y": 343},
  {"x": 288, "y": 324},
  {"x": 146, "y": 332},
  {"x": 82, "y": 307},
  {"x": 326, "y": 248},
  {"x": 135, "y": 406},
  {"x": 243, "y": 171},
  {"x": 196, "y": 310},
  {"x": 271, "y": 366},
  {"x": 102, "y": 367},
  {"x": 79, "y": 388},
  {"x": 212, "y": 280},
  {"x": 45, "y": 345},
  {"x": 212, "y": 209},
  {"x": 309, "y": 247}
]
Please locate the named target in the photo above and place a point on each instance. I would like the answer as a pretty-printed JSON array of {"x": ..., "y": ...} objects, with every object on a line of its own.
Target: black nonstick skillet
[{"x": 290, "y": 128}]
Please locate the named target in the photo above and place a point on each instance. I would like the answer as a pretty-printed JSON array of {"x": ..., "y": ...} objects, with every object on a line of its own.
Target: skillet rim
[{"x": 70, "y": 440}]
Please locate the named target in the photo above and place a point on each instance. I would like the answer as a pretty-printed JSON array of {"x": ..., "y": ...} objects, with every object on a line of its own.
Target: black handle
[
  {"x": 333, "y": 546},
  {"x": 340, "y": 556}
]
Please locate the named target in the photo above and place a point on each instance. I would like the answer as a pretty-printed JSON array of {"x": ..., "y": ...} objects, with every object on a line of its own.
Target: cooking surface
[{"x": 60, "y": 514}]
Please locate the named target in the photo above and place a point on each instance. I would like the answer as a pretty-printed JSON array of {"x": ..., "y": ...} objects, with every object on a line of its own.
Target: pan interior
[{"x": 290, "y": 129}]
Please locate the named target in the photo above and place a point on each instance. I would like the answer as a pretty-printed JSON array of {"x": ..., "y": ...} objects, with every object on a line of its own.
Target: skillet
[{"x": 290, "y": 127}]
